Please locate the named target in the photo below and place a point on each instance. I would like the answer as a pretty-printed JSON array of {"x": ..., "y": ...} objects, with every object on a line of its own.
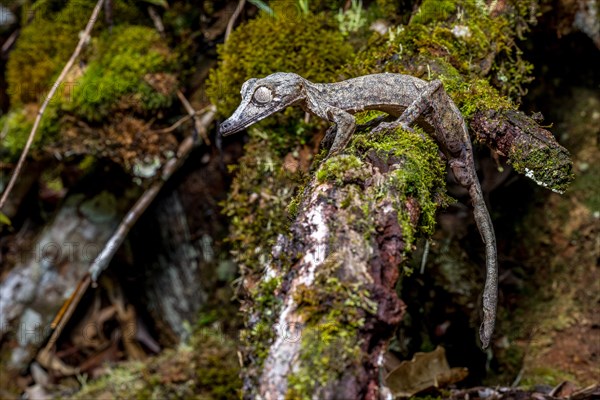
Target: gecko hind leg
[{"x": 419, "y": 106}]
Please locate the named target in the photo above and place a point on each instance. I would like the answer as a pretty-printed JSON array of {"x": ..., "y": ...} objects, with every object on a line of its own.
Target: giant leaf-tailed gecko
[{"x": 402, "y": 96}]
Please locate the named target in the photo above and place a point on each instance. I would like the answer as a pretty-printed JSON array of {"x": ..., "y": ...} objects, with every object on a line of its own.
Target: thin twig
[
  {"x": 84, "y": 38},
  {"x": 10, "y": 41},
  {"x": 194, "y": 114},
  {"x": 234, "y": 17},
  {"x": 171, "y": 128},
  {"x": 424, "y": 259},
  {"x": 158, "y": 24}
]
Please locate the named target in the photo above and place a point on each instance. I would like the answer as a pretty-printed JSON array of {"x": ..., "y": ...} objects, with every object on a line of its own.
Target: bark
[{"x": 173, "y": 288}]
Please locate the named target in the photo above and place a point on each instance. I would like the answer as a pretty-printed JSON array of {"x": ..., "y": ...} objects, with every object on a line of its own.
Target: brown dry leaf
[
  {"x": 424, "y": 371},
  {"x": 163, "y": 83}
]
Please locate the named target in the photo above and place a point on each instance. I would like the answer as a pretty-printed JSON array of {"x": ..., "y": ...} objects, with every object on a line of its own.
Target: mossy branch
[
  {"x": 329, "y": 288},
  {"x": 531, "y": 149}
]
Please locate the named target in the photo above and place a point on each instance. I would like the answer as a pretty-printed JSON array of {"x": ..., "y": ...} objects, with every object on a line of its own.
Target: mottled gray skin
[{"x": 404, "y": 96}]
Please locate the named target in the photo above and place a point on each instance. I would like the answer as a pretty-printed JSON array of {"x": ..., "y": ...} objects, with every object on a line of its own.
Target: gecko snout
[{"x": 226, "y": 128}]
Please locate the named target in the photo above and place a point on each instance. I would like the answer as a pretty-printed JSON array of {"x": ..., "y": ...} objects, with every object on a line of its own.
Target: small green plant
[
  {"x": 353, "y": 19},
  {"x": 262, "y": 6},
  {"x": 303, "y": 6}
]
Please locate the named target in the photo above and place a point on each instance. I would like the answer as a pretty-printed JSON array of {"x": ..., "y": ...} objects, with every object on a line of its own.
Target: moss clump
[
  {"x": 432, "y": 11},
  {"x": 420, "y": 173},
  {"x": 333, "y": 312},
  {"x": 207, "y": 368},
  {"x": 340, "y": 169},
  {"x": 547, "y": 166},
  {"x": 309, "y": 45},
  {"x": 18, "y": 123},
  {"x": 46, "y": 43},
  {"x": 126, "y": 69},
  {"x": 118, "y": 75},
  {"x": 460, "y": 42}
]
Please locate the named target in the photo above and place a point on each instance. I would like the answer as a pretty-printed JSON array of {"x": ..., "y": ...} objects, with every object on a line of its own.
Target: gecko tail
[{"x": 490, "y": 290}]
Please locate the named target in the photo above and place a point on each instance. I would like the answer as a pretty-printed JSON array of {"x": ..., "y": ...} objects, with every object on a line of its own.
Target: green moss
[
  {"x": 115, "y": 76},
  {"x": 207, "y": 368},
  {"x": 340, "y": 169},
  {"x": 434, "y": 10},
  {"x": 117, "y": 63},
  {"x": 18, "y": 123},
  {"x": 46, "y": 43},
  {"x": 470, "y": 50},
  {"x": 547, "y": 166},
  {"x": 257, "y": 203},
  {"x": 309, "y": 45},
  {"x": 472, "y": 96},
  {"x": 333, "y": 313},
  {"x": 420, "y": 173}
]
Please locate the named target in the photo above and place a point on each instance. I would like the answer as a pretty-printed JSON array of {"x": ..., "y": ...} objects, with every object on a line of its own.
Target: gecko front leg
[{"x": 342, "y": 131}]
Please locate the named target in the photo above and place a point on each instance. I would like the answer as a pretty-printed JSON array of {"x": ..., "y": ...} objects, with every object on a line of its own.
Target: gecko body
[{"x": 406, "y": 97}]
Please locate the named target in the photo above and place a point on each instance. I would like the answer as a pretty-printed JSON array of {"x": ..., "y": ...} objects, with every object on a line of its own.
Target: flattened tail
[{"x": 490, "y": 291}]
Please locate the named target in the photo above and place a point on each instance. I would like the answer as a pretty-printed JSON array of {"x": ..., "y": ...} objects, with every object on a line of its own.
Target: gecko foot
[
  {"x": 329, "y": 137},
  {"x": 388, "y": 126}
]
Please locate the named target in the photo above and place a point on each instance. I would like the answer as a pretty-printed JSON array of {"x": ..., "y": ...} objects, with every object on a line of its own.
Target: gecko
[{"x": 405, "y": 97}]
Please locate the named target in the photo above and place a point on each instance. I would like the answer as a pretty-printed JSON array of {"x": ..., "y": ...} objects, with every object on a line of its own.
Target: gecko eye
[{"x": 263, "y": 95}]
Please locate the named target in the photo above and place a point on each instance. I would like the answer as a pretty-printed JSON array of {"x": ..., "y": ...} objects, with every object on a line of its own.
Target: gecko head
[{"x": 262, "y": 98}]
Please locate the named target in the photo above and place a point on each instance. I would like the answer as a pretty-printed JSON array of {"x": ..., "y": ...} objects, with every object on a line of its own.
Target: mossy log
[{"x": 339, "y": 268}]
